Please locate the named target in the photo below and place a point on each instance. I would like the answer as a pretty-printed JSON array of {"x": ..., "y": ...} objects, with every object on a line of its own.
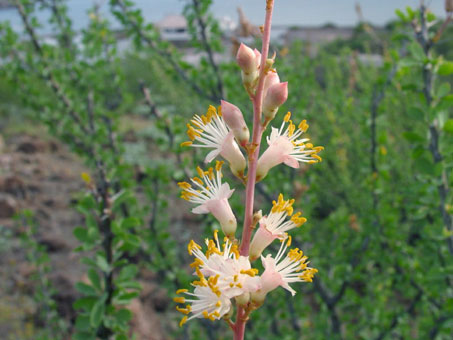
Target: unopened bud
[
  {"x": 449, "y": 6},
  {"x": 246, "y": 59},
  {"x": 258, "y": 298},
  {"x": 235, "y": 121},
  {"x": 249, "y": 61},
  {"x": 272, "y": 78},
  {"x": 276, "y": 95}
]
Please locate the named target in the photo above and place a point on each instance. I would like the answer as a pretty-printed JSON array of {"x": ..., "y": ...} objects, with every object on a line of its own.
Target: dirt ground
[{"x": 41, "y": 175}]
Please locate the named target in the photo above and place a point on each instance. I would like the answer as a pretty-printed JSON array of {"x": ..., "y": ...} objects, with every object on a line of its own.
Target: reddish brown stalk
[{"x": 257, "y": 99}]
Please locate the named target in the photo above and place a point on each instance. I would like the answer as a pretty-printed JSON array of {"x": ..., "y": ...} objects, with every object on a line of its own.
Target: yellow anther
[
  {"x": 205, "y": 314},
  {"x": 179, "y": 299},
  {"x": 196, "y": 179},
  {"x": 318, "y": 148},
  {"x": 291, "y": 129},
  {"x": 250, "y": 272},
  {"x": 183, "y": 321},
  {"x": 303, "y": 125},
  {"x": 184, "y": 185},
  {"x": 180, "y": 291},
  {"x": 219, "y": 111},
  {"x": 309, "y": 146},
  {"x": 218, "y": 165},
  {"x": 188, "y": 143},
  {"x": 317, "y": 157},
  {"x": 288, "y": 243},
  {"x": 287, "y": 117},
  {"x": 216, "y": 234},
  {"x": 235, "y": 278},
  {"x": 211, "y": 173},
  {"x": 196, "y": 263},
  {"x": 200, "y": 172},
  {"x": 182, "y": 310},
  {"x": 191, "y": 246},
  {"x": 218, "y": 304}
]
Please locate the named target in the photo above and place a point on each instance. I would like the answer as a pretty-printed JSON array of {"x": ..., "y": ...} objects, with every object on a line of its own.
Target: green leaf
[
  {"x": 102, "y": 263},
  {"x": 413, "y": 137},
  {"x": 85, "y": 289},
  {"x": 81, "y": 234},
  {"x": 123, "y": 315},
  {"x": 400, "y": 14},
  {"x": 82, "y": 323},
  {"x": 417, "y": 113},
  {"x": 417, "y": 52},
  {"x": 97, "y": 313},
  {"x": 448, "y": 126},
  {"x": 445, "y": 68},
  {"x": 130, "y": 222},
  {"x": 443, "y": 90},
  {"x": 125, "y": 298},
  {"x": 94, "y": 278},
  {"x": 85, "y": 303},
  {"x": 128, "y": 272}
]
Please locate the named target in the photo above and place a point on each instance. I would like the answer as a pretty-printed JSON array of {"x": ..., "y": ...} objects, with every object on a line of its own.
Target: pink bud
[
  {"x": 276, "y": 95},
  {"x": 272, "y": 78},
  {"x": 257, "y": 57},
  {"x": 246, "y": 59},
  {"x": 235, "y": 121}
]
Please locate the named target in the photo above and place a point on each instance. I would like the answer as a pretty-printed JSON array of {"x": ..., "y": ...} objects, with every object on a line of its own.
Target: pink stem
[
  {"x": 241, "y": 318},
  {"x": 256, "y": 136}
]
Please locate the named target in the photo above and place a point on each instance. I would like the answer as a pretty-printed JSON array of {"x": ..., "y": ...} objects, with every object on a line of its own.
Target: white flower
[
  {"x": 275, "y": 225},
  {"x": 210, "y": 131},
  {"x": 206, "y": 303},
  {"x": 234, "y": 273},
  {"x": 212, "y": 196},
  {"x": 286, "y": 147},
  {"x": 222, "y": 275}
]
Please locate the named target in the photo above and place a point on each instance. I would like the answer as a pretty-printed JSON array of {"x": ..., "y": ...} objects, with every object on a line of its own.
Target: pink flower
[
  {"x": 286, "y": 147},
  {"x": 275, "y": 225},
  {"x": 212, "y": 197},
  {"x": 210, "y": 131},
  {"x": 281, "y": 271}
]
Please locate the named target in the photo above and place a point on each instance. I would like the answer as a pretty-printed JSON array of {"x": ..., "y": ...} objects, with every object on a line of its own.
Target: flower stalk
[{"x": 225, "y": 277}]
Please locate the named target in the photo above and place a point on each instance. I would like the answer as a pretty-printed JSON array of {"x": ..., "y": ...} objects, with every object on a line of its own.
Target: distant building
[
  {"x": 317, "y": 35},
  {"x": 173, "y": 28}
]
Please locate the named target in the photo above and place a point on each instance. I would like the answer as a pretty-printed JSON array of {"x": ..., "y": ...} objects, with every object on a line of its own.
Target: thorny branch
[{"x": 208, "y": 48}]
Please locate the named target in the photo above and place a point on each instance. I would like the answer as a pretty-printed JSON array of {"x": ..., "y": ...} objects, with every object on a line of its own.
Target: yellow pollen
[
  {"x": 191, "y": 246},
  {"x": 196, "y": 179},
  {"x": 287, "y": 117},
  {"x": 218, "y": 304},
  {"x": 200, "y": 172},
  {"x": 188, "y": 143},
  {"x": 205, "y": 314},
  {"x": 184, "y": 185},
  {"x": 309, "y": 146},
  {"x": 219, "y": 111},
  {"x": 180, "y": 291},
  {"x": 183, "y": 321},
  {"x": 182, "y": 310},
  {"x": 218, "y": 165},
  {"x": 179, "y": 299},
  {"x": 196, "y": 263},
  {"x": 289, "y": 241}
]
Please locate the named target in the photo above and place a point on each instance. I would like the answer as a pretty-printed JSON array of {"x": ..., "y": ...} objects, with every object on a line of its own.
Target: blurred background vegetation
[{"x": 93, "y": 234}]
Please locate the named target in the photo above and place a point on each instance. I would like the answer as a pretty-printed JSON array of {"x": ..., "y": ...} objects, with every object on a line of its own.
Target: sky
[{"x": 291, "y": 12}]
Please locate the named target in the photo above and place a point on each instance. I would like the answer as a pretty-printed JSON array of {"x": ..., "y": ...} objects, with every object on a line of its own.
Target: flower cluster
[{"x": 224, "y": 274}]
